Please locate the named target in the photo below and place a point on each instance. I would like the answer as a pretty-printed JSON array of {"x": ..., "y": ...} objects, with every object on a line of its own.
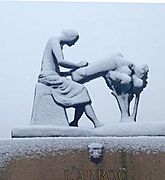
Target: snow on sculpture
[
  {"x": 99, "y": 68},
  {"x": 125, "y": 79},
  {"x": 95, "y": 152},
  {"x": 54, "y": 92},
  {"x": 125, "y": 83}
]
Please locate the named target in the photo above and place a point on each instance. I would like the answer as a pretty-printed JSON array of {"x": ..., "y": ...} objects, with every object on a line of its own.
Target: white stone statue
[
  {"x": 124, "y": 79},
  {"x": 54, "y": 92}
]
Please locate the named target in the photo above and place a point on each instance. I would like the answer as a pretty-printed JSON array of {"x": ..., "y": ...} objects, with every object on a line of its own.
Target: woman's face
[{"x": 72, "y": 42}]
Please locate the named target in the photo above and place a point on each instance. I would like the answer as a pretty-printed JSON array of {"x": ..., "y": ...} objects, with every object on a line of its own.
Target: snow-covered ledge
[
  {"x": 34, "y": 158},
  {"x": 27, "y": 146},
  {"x": 116, "y": 129}
]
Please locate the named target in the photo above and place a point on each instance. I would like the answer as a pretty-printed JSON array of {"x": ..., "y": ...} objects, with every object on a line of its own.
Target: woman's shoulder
[{"x": 53, "y": 40}]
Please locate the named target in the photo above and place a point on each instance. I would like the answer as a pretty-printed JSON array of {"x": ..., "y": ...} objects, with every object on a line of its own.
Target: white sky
[{"x": 136, "y": 30}]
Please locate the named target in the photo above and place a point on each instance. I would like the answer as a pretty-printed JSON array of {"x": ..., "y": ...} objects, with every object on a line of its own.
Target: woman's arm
[
  {"x": 69, "y": 64},
  {"x": 60, "y": 58},
  {"x": 65, "y": 73}
]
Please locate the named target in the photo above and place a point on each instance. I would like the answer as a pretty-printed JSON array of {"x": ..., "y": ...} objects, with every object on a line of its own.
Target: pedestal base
[
  {"x": 126, "y": 158},
  {"x": 115, "y": 129}
]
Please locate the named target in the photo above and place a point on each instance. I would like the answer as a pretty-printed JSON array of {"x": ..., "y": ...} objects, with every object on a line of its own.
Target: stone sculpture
[
  {"x": 125, "y": 83},
  {"x": 54, "y": 92},
  {"x": 125, "y": 79},
  {"x": 95, "y": 152}
]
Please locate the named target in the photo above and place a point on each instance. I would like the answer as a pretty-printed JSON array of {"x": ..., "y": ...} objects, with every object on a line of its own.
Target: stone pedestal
[
  {"x": 45, "y": 110},
  {"x": 115, "y": 129},
  {"x": 124, "y": 158}
]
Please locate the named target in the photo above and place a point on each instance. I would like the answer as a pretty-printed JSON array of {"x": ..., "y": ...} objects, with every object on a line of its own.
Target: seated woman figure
[{"x": 66, "y": 92}]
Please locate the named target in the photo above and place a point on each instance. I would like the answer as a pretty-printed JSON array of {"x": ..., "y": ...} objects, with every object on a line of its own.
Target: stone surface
[
  {"x": 99, "y": 68},
  {"x": 125, "y": 79},
  {"x": 57, "y": 90},
  {"x": 45, "y": 109},
  {"x": 54, "y": 91},
  {"x": 68, "y": 159},
  {"x": 147, "y": 128}
]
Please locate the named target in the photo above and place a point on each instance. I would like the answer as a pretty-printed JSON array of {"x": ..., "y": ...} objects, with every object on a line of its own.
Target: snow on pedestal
[
  {"x": 115, "y": 129},
  {"x": 50, "y": 158}
]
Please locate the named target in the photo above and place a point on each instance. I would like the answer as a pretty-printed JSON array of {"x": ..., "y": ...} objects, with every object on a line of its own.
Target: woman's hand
[{"x": 83, "y": 64}]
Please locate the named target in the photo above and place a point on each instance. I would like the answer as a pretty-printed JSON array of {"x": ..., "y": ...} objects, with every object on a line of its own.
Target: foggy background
[{"x": 135, "y": 30}]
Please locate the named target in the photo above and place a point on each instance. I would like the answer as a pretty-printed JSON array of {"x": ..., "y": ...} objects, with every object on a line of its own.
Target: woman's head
[{"x": 69, "y": 36}]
